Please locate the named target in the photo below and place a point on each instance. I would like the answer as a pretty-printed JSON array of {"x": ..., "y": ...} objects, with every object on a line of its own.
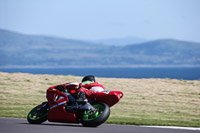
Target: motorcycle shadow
[{"x": 56, "y": 124}]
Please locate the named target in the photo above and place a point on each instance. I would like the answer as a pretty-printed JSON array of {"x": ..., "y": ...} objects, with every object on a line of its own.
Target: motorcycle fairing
[
  {"x": 58, "y": 113},
  {"x": 108, "y": 97}
]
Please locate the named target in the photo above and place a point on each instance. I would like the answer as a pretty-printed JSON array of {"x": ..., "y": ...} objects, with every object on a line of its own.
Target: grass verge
[{"x": 164, "y": 102}]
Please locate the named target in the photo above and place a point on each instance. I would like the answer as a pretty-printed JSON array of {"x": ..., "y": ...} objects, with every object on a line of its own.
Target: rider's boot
[
  {"x": 81, "y": 98},
  {"x": 80, "y": 101}
]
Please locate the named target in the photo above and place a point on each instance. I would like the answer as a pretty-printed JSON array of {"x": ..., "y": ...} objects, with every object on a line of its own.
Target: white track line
[
  {"x": 173, "y": 127},
  {"x": 167, "y": 127}
]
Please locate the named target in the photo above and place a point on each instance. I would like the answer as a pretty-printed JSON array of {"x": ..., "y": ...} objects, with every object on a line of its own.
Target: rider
[{"x": 86, "y": 88}]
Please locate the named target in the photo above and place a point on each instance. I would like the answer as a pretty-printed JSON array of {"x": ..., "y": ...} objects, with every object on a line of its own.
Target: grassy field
[{"x": 146, "y": 101}]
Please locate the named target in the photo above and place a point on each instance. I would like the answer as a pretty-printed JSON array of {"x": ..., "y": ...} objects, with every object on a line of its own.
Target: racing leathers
[{"x": 86, "y": 88}]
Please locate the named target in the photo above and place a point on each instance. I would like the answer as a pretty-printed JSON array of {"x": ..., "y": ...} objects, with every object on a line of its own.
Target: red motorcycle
[{"x": 59, "y": 109}]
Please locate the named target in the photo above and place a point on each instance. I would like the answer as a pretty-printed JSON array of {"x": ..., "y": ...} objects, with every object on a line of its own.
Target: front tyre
[
  {"x": 97, "y": 118},
  {"x": 38, "y": 114}
]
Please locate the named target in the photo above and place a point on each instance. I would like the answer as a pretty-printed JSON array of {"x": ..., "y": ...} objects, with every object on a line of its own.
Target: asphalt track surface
[{"x": 15, "y": 125}]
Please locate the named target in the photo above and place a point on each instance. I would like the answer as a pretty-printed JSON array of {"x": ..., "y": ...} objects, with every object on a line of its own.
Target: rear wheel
[
  {"x": 38, "y": 114},
  {"x": 94, "y": 119}
]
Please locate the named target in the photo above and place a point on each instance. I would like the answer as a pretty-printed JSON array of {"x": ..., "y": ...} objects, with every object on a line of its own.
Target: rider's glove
[
  {"x": 60, "y": 88},
  {"x": 77, "y": 87}
]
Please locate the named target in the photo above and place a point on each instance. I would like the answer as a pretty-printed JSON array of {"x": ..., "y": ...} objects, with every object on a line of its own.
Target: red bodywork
[{"x": 58, "y": 113}]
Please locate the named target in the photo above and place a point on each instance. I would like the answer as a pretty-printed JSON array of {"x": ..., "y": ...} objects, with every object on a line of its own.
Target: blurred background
[{"x": 107, "y": 38}]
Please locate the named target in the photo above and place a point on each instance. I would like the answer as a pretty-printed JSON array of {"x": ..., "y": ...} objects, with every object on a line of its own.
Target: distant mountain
[
  {"x": 121, "y": 41},
  {"x": 166, "y": 52},
  {"x": 20, "y": 49},
  {"x": 29, "y": 50}
]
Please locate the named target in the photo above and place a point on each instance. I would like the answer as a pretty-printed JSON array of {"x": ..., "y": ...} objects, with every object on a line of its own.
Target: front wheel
[
  {"x": 97, "y": 118},
  {"x": 38, "y": 114}
]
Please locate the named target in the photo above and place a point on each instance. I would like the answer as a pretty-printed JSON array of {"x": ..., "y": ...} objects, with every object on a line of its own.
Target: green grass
[
  {"x": 27, "y": 80},
  {"x": 2, "y": 84},
  {"x": 164, "y": 102},
  {"x": 150, "y": 121}
]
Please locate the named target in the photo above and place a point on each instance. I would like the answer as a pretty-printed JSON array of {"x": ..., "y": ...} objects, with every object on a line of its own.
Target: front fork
[{"x": 43, "y": 107}]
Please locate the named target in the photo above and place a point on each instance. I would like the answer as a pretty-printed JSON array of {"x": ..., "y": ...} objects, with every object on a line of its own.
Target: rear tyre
[
  {"x": 38, "y": 114},
  {"x": 96, "y": 119}
]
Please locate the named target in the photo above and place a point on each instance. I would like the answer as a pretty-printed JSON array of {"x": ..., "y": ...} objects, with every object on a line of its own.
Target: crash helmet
[{"x": 88, "y": 78}]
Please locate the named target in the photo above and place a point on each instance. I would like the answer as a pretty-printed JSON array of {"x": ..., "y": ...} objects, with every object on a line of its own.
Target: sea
[{"x": 171, "y": 73}]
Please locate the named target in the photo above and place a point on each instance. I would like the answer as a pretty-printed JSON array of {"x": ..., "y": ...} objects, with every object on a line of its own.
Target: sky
[{"x": 103, "y": 19}]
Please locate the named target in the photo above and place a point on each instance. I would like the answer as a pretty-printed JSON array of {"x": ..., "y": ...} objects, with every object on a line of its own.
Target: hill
[
  {"x": 30, "y": 50},
  {"x": 166, "y": 51},
  {"x": 121, "y": 41}
]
